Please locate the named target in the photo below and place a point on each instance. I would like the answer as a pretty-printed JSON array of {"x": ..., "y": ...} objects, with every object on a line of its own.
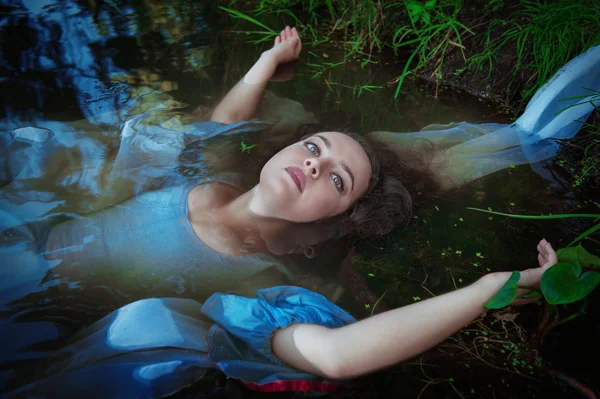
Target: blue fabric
[
  {"x": 253, "y": 320},
  {"x": 557, "y": 111},
  {"x": 155, "y": 347},
  {"x": 147, "y": 238}
]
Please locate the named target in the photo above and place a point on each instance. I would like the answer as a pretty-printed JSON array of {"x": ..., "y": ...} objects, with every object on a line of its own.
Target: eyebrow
[
  {"x": 347, "y": 169},
  {"x": 325, "y": 140},
  {"x": 344, "y": 164}
]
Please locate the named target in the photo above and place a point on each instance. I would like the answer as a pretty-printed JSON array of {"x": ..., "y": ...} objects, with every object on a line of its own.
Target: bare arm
[
  {"x": 396, "y": 335},
  {"x": 241, "y": 101}
]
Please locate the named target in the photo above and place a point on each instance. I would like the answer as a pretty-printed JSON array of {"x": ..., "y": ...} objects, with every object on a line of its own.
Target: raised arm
[
  {"x": 241, "y": 101},
  {"x": 396, "y": 335}
]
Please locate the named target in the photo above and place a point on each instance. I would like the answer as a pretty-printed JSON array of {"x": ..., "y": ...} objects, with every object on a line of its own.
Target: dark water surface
[{"x": 90, "y": 65}]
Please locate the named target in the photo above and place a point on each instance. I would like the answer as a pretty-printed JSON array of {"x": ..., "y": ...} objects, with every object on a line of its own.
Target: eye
[
  {"x": 339, "y": 183},
  {"x": 313, "y": 148}
]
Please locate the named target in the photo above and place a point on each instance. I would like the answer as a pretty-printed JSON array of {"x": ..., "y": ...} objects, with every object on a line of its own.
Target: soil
[{"x": 505, "y": 82}]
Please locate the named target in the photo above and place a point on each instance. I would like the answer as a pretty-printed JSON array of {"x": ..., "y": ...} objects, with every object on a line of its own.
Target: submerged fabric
[
  {"x": 146, "y": 237},
  {"x": 557, "y": 111},
  {"x": 152, "y": 235},
  {"x": 156, "y": 347}
]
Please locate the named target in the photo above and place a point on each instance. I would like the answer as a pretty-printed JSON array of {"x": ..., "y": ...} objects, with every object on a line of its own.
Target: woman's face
[{"x": 313, "y": 179}]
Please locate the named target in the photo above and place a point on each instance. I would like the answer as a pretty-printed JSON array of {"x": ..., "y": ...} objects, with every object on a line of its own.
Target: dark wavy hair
[{"x": 399, "y": 179}]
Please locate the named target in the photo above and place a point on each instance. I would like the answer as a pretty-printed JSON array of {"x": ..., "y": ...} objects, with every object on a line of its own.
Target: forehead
[{"x": 352, "y": 153}]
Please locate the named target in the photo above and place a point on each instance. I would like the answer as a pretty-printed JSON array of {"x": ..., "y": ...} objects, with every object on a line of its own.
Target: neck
[{"x": 248, "y": 226}]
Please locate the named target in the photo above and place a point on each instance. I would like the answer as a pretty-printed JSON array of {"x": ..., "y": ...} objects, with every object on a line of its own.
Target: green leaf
[
  {"x": 565, "y": 283},
  {"x": 247, "y": 148},
  {"x": 430, "y": 5},
  {"x": 578, "y": 255},
  {"x": 417, "y": 12},
  {"x": 507, "y": 293},
  {"x": 532, "y": 294}
]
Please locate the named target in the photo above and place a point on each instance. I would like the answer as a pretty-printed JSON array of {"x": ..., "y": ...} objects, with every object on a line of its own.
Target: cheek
[{"x": 321, "y": 203}]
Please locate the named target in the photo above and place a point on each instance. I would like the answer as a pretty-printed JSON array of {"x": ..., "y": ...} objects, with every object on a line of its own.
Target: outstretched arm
[
  {"x": 241, "y": 101},
  {"x": 396, "y": 335}
]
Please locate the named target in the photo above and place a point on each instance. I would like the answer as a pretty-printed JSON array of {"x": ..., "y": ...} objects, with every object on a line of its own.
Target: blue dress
[
  {"x": 156, "y": 347},
  {"x": 146, "y": 238}
]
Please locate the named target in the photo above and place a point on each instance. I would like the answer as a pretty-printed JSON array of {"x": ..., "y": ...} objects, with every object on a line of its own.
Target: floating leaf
[
  {"x": 247, "y": 148},
  {"x": 507, "y": 293},
  {"x": 578, "y": 255},
  {"x": 565, "y": 283}
]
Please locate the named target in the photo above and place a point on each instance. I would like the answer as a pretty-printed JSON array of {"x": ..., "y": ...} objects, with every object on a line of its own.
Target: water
[{"x": 81, "y": 70}]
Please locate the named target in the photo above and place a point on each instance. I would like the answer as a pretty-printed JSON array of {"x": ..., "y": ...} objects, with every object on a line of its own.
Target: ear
[{"x": 310, "y": 252}]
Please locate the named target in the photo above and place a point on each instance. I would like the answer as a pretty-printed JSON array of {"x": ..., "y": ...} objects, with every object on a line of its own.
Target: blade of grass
[
  {"x": 561, "y": 216},
  {"x": 237, "y": 14}
]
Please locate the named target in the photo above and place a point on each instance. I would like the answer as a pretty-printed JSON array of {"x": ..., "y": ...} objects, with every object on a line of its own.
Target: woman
[
  {"x": 189, "y": 236},
  {"x": 217, "y": 234}
]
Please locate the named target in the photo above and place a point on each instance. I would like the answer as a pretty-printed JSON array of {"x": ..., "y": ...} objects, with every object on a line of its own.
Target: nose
[{"x": 312, "y": 167}]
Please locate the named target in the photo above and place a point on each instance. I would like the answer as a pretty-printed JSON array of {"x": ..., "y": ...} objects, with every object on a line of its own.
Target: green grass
[
  {"x": 434, "y": 29},
  {"x": 540, "y": 35},
  {"x": 364, "y": 27},
  {"x": 543, "y": 35}
]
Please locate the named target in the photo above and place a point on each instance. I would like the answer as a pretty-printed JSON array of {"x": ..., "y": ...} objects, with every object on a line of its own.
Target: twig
[
  {"x": 573, "y": 383},
  {"x": 376, "y": 303}
]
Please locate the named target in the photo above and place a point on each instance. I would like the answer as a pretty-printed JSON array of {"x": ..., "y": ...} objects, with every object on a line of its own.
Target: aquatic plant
[{"x": 570, "y": 280}]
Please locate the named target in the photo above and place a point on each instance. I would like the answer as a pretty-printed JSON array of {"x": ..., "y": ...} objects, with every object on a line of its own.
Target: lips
[{"x": 297, "y": 176}]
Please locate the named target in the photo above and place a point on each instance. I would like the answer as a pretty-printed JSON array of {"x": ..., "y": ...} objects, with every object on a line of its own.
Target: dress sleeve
[{"x": 240, "y": 340}]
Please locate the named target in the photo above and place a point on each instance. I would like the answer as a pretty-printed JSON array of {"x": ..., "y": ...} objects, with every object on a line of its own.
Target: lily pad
[
  {"x": 506, "y": 294},
  {"x": 565, "y": 283},
  {"x": 578, "y": 255}
]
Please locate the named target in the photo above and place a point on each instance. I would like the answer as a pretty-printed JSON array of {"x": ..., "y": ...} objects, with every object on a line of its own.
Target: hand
[
  {"x": 287, "y": 46},
  {"x": 546, "y": 255},
  {"x": 530, "y": 277}
]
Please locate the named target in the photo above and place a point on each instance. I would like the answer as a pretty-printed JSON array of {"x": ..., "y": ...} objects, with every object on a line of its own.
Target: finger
[
  {"x": 541, "y": 244},
  {"x": 551, "y": 253},
  {"x": 277, "y": 40},
  {"x": 299, "y": 45},
  {"x": 288, "y": 31},
  {"x": 295, "y": 32},
  {"x": 282, "y": 35},
  {"x": 541, "y": 260}
]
